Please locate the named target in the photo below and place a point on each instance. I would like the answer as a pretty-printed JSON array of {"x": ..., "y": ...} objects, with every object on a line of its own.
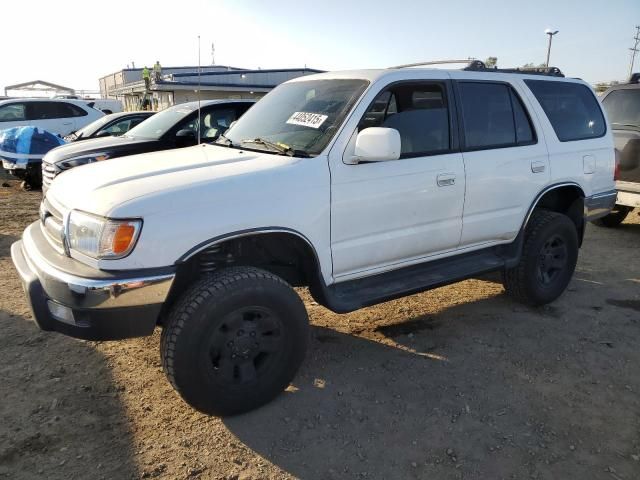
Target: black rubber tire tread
[
  {"x": 211, "y": 291},
  {"x": 615, "y": 218},
  {"x": 519, "y": 282}
]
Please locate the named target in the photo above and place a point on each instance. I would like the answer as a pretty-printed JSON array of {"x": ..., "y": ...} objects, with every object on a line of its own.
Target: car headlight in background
[
  {"x": 100, "y": 237},
  {"x": 84, "y": 159}
]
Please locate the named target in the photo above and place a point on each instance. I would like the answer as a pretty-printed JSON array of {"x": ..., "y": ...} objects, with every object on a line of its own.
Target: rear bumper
[
  {"x": 599, "y": 205},
  {"x": 106, "y": 307},
  {"x": 628, "y": 194}
]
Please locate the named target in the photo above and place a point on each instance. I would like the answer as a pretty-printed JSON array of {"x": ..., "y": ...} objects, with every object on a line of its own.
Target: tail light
[{"x": 616, "y": 168}]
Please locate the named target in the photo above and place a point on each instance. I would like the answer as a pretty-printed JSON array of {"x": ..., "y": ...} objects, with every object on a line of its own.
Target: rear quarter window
[{"x": 572, "y": 109}]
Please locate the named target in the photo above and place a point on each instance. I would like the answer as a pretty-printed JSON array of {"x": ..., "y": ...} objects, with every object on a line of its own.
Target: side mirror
[
  {"x": 186, "y": 134},
  {"x": 103, "y": 133},
  {"x": 377, "y": 144}
]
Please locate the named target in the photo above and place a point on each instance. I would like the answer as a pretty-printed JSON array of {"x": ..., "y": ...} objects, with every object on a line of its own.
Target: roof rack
[
  {"x": 475, "y": 65},
  {"x": 435, "y": 62},
  {"x": 478, "y": 66}
]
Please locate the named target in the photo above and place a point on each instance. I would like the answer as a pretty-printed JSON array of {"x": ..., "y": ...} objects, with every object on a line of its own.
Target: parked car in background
[
  {"x": 106, "y": 105},
  {"x": 622, "y": 104},
  {"x": 363, "y": 185},
  {"x": 174, "y": 127},
  {"x": 57, "y": 116},
  {"x": 112, "y": 125}
]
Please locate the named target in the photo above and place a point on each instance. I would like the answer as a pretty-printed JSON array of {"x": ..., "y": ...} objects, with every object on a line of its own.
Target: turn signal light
[{"x": 122, "y": 238}]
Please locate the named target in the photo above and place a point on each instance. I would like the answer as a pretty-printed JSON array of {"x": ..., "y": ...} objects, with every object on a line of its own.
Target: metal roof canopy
[{"x": 39, "y": 86}]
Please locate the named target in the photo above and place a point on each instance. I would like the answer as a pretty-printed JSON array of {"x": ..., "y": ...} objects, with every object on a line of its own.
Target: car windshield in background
[
  {"x": 299, "y": 116},
  {"x": 156, "y": 126},
  {"x": 92, "y": 128},
  {"x": 623, "y": 107}
]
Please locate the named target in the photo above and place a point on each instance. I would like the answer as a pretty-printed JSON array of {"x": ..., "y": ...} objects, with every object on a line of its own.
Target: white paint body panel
[{"x": 361, "y": 219}]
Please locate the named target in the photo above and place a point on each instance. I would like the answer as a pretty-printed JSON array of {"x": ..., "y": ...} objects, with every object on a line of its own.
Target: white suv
[
  {"x": 56, "y": 116},
  {"x": 362, "y": 185}
]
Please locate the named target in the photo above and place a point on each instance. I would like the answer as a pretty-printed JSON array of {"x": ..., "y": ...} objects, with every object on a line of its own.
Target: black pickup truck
[{"x": 622, "y": 104}]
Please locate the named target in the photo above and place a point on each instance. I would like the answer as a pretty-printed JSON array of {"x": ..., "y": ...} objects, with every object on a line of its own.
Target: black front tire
[
  {"x": 549, "y": 258},
  {"x": 615, "y": 218},
  {"x": 234, "y": 341}
]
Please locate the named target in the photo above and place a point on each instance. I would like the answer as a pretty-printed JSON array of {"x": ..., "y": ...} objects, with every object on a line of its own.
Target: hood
[
  {"x": 92, "y": 145},
  {"x": 102, "y": 186}
]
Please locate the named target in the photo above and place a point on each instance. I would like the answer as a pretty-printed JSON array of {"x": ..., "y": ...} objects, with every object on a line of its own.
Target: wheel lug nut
[
  {"x": 230, "y": 344},
  {"x": 240, "y": 333},
  {"x": 253, "y": 334}
]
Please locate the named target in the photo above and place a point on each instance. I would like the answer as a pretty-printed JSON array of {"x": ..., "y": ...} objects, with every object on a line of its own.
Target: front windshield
[
  {"x": 92, "y": 128},
  {"x": 300, "y": 116},
  {"x": 156, "y": 126}
]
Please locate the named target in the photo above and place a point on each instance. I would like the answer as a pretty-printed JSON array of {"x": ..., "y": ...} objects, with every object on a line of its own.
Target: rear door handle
[
  {"x": 67, "y": 123},
  {"x": 446, "y": 179},
  {"x": 538, "y": 167}
]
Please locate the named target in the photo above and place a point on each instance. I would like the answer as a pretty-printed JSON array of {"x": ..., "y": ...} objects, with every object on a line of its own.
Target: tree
[
  {"x": 533, "y": 65},
  {"x": 491, "y": 62}
]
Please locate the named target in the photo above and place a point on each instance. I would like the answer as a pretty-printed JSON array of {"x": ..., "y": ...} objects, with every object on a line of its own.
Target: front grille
[
  {"x": 49, "y": 172},
  {"x": 51, "y": 221}
]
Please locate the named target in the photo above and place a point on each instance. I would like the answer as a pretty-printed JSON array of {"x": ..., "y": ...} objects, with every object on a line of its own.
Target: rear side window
[
  {"x": 52, "y": 110},
  {"x": 493, "y": 116},
  {"x": 571, "y": 108},
  {"x": 70, "y": 110},
  {"x": 623, "y": 107}
]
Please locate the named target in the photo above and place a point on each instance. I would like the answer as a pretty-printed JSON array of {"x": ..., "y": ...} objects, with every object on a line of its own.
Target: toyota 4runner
[{"x": 364, "y": 186}]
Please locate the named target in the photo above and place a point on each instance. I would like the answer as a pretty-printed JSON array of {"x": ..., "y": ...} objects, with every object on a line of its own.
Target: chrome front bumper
[
  {"x": 599, "y": 205},
  {"x": 103, "y": 305}
]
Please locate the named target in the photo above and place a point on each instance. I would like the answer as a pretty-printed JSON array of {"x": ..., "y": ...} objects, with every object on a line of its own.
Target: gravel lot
[{"x": 457, "y": 383}]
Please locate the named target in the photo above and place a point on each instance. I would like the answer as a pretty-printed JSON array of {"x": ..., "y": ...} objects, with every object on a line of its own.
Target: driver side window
[{"x": 418, "y": 111}]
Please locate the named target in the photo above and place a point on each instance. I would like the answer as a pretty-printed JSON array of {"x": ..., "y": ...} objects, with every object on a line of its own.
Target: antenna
[{"x": 199, "y": 119}]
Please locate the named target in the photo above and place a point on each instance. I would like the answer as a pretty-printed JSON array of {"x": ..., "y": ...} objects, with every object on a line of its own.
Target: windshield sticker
[{"x": 306, "y": 119}]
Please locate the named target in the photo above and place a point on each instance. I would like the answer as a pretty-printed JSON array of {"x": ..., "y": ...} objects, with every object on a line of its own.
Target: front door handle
[
  {"x": 446, "y": 179},
  {"x": 538, "y": 167}
]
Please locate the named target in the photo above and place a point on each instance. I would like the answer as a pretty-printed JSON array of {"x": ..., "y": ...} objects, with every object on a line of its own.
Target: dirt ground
[{"x": 456, "y": 383}]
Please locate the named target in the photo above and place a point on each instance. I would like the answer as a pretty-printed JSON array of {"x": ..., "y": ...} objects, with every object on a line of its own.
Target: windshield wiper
[{"x": 281, "y": 148}]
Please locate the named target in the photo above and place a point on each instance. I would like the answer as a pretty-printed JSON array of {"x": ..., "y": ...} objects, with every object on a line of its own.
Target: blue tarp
[{"x": 22, "y": 145}]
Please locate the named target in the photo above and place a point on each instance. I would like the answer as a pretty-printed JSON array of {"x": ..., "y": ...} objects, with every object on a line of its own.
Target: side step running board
[{"x": 351, "y": 295}]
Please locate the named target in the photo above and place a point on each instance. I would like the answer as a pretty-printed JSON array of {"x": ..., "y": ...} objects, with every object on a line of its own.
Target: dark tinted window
[
  {"x": 72, "y": 110},
  {"x": 571, "y": 108},
  {"x": 420, "y": 114},
  {"x": 524, "y": 131},
  {"x": 51, "y": 110},
  {"x": 13, "y": 112},
  {"x": 623, "y": 107},
  {"x": 493, "y": 116}
]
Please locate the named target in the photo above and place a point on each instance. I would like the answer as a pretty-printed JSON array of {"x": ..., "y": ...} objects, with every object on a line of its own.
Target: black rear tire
[
  {"x": 549, "y": 257},
  {"x": 615, "y": 218},
  {"x": 234, "y": 341}
]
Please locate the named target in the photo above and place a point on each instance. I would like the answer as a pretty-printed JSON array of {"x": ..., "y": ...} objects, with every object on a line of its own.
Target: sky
[{"x": 73, "y": 43}]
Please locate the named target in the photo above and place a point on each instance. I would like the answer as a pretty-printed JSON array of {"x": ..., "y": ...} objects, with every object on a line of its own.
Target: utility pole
[
  {"x": 634, "y": 50},
  {"x": 213, "y": 54}
]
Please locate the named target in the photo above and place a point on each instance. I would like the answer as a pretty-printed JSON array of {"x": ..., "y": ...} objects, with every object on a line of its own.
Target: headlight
[
  {"x": 84, "y": 159},
  {"x": 100, "y": 237}
]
